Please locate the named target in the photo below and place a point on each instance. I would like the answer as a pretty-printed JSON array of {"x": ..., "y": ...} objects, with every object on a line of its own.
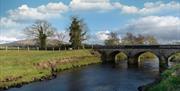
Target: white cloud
[
  {"x": 105, "y": 5},
  {"x": 101, "y": 5},
  {"x": 4, "y": 39},
  {"x": 9, "y": 30},
  {"x": 125, "y": 8},
  {"x": 10, "y": 35},
  {"x": 102, "y": 35},
  {"x": 53, "y": 8},
  {"x": 98, "y": 37},
  {"x": 164, "y": 28},
  {"x": 24, "y": 12},
  {"x": 156, "y": 7},
  {"x": 149, "y": 7},
  {"x": 6, "y": 23}
]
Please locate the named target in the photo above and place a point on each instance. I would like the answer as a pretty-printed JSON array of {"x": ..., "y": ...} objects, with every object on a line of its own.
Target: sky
[{"x": 148, "y": 17}]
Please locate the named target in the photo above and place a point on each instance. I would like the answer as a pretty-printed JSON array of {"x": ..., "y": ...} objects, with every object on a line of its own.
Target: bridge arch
[
  {"x": 113, "y": 55},
  {"x": 134, "y": 55},
  {"x": 140, "y": 60},
  {"x": 171, "y": 54},
  {"x": 170, "y": 58},
  {"x": 138, "y": 54}
]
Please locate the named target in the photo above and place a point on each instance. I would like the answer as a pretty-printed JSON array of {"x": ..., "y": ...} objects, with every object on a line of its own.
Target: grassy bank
[
  {"x": 170, "y": 80},
  {"x": 27, "y": 66}
]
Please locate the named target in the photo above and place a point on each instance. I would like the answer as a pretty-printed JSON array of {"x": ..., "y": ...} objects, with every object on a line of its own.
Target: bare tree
[
  {"x": 112, "y": 39},
  {"x": 151, "y": 40},
  {"x": 40, "y": 30},
  {"x": 60, "y": 36},
  {"x": 131, "y": 39},
  {"x": 140, "y": 39}
]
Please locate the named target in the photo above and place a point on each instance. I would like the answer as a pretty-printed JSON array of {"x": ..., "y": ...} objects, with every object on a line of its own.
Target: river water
[{"x": 98, "y": 77}]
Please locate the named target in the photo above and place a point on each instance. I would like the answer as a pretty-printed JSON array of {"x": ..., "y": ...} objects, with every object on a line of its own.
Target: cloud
[
  {"x": 54, "y": 10},
  {"x": 102, "y": 35},
  {"x": 125, "y": 8},
  {"x": 24, "y": 12},
  {"x": 83, "y": 5},
  {"x": 106, "y": 5},
  {"x": 11, "y": 35},
  {"x": 156, "y": 7},
  {"x": 164, "y": 28},
  {"x": 4, "y": 39},
  {"x": 10, "y": 30},
  {"x": 149, "y": 7},
  {"x": 98, "y": 37},
  {"x": 6, "y": 23}
]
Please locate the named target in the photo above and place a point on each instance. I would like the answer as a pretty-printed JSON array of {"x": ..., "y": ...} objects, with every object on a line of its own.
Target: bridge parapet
[{"x": 139, "y": 47}]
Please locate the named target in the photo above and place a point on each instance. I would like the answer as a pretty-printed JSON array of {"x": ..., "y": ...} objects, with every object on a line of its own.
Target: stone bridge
[{"x": 163, "y": 52}]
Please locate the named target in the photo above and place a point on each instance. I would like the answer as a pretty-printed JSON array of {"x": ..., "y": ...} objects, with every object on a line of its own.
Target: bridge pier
[
  {"x": 132, "y": 61},
  {"x": 110, "y": 59},
  {"x": 106, "y": 58},
  {"x": 163, "y": 62}
]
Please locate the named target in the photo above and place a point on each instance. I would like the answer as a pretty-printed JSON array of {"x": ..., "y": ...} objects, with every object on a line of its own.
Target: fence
[{"x": 36, "y": 48}]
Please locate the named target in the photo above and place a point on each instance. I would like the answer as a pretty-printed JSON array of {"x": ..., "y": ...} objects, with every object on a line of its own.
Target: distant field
[{"x": 17, "y": 67}]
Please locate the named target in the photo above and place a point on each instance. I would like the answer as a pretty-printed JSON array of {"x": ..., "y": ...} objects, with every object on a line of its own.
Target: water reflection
[
  {"x": 122, "y": 64},
  {"x": 149, "y": 66},
  {"x": 75, "y": 81},
  {"x": 99, "y": 77}
]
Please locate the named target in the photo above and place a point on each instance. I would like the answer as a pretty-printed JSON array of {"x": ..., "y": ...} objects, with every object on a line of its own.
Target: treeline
[
  {"x": 42, "y": 31},
  {"x": 130, "y": 39}
]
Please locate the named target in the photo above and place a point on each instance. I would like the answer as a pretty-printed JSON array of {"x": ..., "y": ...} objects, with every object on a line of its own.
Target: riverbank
[
  {"x": 18, "y": 68},
  {"x": 169, "y": 81}
]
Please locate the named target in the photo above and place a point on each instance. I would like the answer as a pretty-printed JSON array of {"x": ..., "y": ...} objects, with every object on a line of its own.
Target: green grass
[
  {"x": 20, "y": 65},
  {"x": 169, "y": 81},
  {"x": 175, "y": 58}
]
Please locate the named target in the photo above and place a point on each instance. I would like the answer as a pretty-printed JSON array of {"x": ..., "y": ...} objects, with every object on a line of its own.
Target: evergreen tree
[{"x": 77, "y": 33}]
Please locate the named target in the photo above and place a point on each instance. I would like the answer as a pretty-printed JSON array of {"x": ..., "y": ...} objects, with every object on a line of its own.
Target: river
[{"x": 98, "y": 77}]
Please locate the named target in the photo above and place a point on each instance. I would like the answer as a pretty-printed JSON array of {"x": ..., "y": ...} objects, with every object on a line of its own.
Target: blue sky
[{"x": 151, "y": 17}]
